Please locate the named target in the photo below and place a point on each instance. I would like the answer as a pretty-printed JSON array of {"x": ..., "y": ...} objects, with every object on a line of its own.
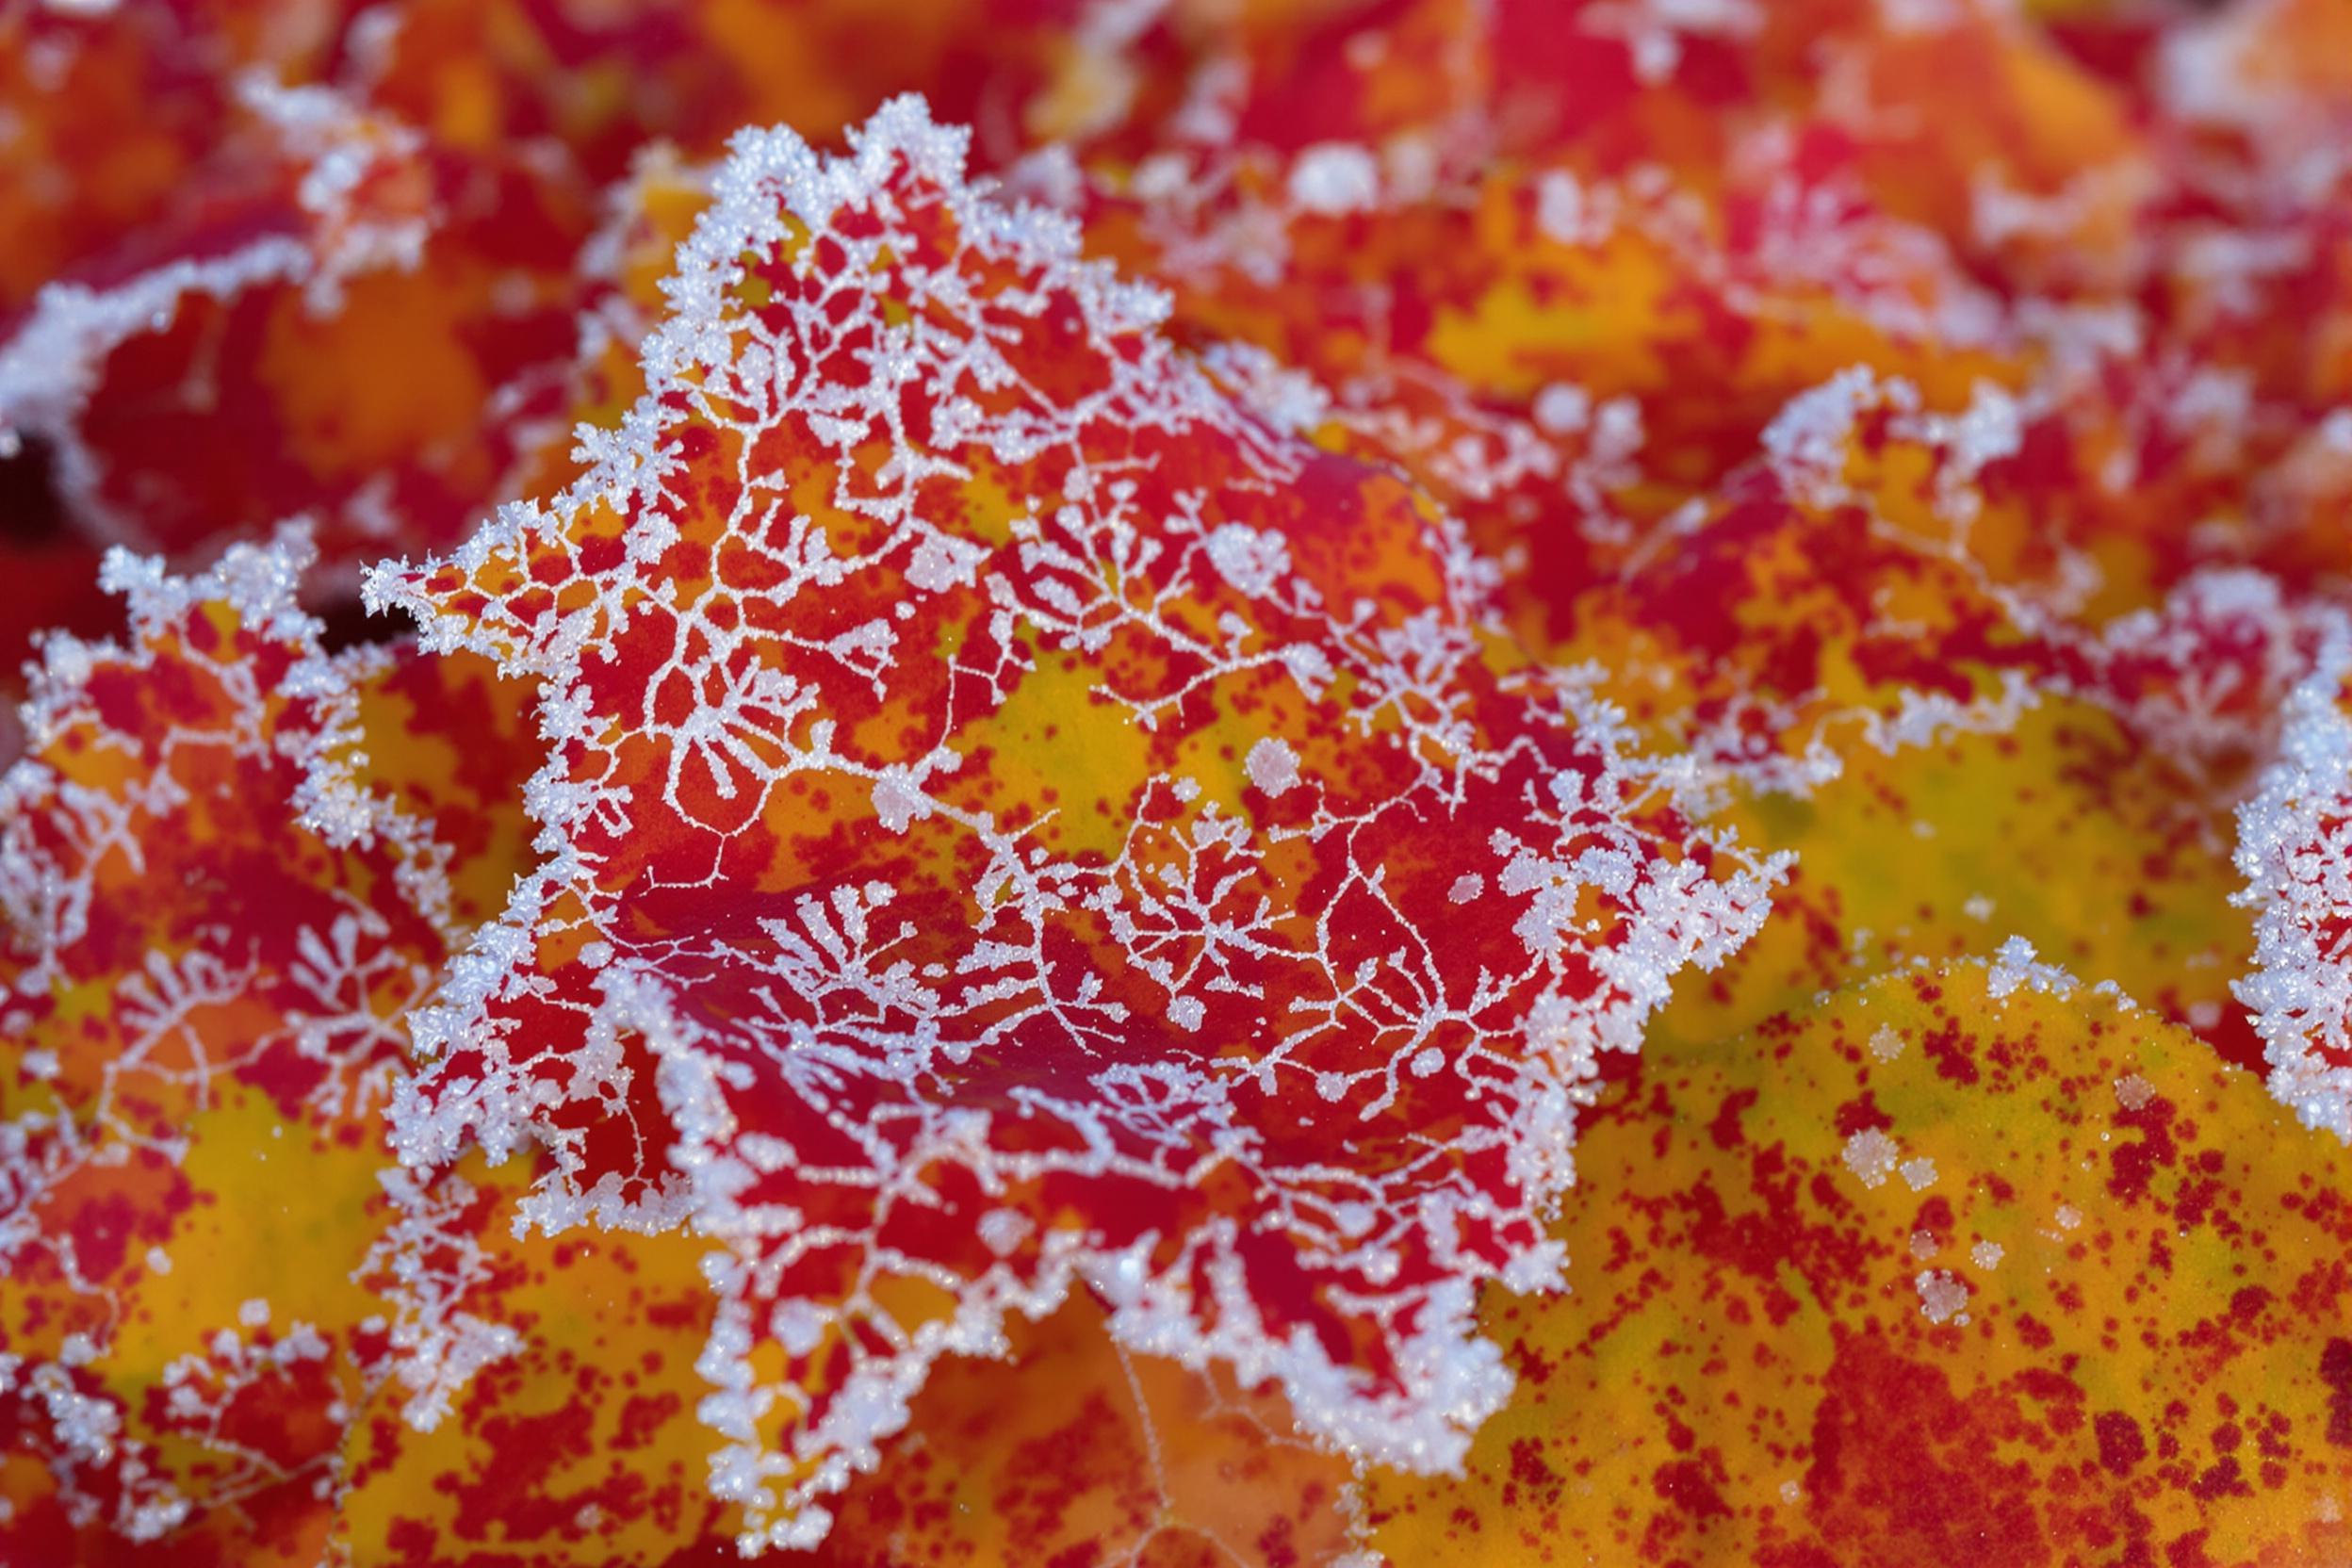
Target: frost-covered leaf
[
  {"x": 1012, "y": 821},
  {"x": 213, "y": 934},
  {"x": 345, "y": 321}
]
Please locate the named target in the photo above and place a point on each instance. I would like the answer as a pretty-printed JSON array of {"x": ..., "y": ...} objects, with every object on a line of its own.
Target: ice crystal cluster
[{"x": 1104, "y": 782}]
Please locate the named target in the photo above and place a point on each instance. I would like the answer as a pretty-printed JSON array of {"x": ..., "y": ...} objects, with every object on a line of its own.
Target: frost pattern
[
  {"x": 2294, "y": 850},
  {"x": 173, "y": 929},
  {"x": 918, "y": 1037}
]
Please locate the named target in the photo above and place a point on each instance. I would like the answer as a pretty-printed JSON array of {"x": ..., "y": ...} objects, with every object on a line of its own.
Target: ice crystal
[{"x": 2294, "y": 850}]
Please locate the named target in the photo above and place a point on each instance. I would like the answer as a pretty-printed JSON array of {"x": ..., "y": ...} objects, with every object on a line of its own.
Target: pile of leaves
[{"x": 1161, "y": 782}]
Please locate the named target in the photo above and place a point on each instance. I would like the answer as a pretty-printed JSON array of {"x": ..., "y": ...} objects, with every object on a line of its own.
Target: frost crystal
[
  {"x": 1873, "y": 1156},
  {"x": 2016, "y": 965},
  {"x": 2294, "y": 850},
  {"x": 1943, "y": 1296}
]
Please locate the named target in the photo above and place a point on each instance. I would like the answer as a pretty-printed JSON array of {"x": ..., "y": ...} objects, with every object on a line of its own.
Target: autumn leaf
[
  {"x": 1967, "y": 1259},
  {"x": 1053, "y": 728},
  {"x": 212, "y": 934},
  {"x": 346, "y": 323}
]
